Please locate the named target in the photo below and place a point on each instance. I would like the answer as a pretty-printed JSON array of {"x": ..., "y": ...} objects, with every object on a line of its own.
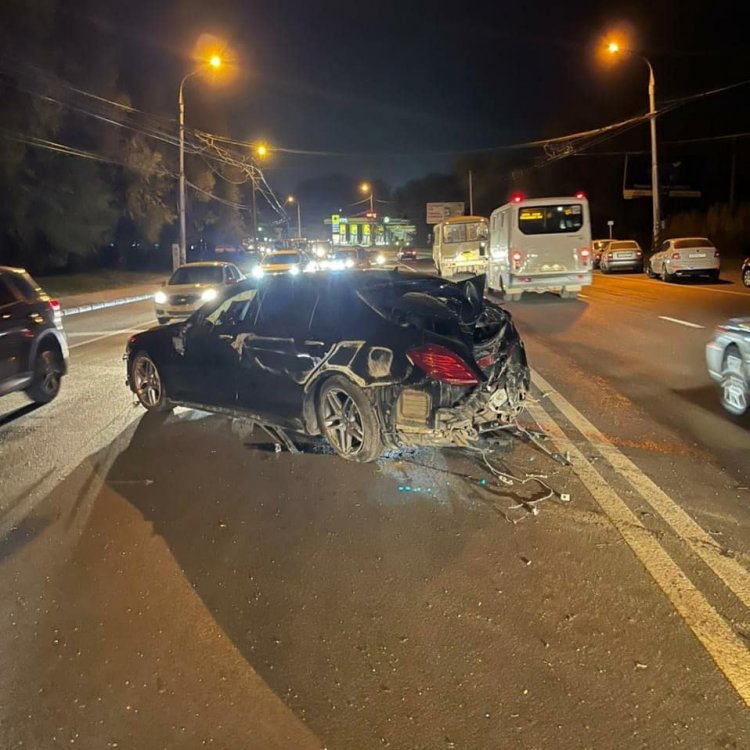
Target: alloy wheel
[
  {"x": 50, "y": 381},
  {"x": 146, "y": 382},
  {"x": 343, "y": 422},
  {"x": 733, "y": 386}
]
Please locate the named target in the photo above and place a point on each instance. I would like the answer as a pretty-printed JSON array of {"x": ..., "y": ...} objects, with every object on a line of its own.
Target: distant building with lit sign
[{"x": 370, "y": 230}]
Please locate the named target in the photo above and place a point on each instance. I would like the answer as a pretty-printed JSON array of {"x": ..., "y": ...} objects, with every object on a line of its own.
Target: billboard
[
  {"x": 436, "y": 212},
  {"x": 678, "y": 178}
]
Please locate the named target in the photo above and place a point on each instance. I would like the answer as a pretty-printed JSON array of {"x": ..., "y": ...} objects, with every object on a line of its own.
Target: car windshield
[
  {"x": 697, "y": 242},
  {"x": 282, "y": 258},
  {"x": 197, "y": 275}
]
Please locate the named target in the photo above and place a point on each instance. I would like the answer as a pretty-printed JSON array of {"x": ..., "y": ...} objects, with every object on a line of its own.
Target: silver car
[
  {"x": 685, "y": 256},
  {"x": 728, "y": 360},
  {"x": 191, "y": 286},
  {"x": 621, "y": 255}
]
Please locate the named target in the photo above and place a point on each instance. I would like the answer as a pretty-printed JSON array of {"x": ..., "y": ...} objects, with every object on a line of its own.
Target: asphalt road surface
[{"x": 174, "y": 584}]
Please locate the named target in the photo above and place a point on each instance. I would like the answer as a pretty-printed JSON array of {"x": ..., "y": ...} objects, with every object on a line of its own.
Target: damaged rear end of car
[{"x": 467, "y": 376}]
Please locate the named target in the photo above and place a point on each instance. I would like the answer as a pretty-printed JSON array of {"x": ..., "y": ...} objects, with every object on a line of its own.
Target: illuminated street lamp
[
  {"x": 292, "y": 199},
  {"x": 614, "y": 48},
  {"x": 366, "y": 188},
  {"x": 215, "y": 62}
]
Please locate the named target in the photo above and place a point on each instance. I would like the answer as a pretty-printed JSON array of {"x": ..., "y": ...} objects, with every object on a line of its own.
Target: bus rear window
[{"x": 551, "y": 219}]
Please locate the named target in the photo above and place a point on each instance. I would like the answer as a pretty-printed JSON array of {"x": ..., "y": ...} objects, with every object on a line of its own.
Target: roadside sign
[
  {"x": 335, "y": 220},
  {"x": 437, "y": 212},
  {"x": 610, "y": 223}
]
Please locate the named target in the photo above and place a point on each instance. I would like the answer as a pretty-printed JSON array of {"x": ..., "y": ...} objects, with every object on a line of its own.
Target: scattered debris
[
  {"x": 641, "y": 665},
  {"x": 525, "y": 560}
]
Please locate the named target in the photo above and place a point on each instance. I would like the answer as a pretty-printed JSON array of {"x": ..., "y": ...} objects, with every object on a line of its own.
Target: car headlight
[
  {"x": 209, "y": 294},
  {"x": 160, "y": 298},
  {"x": 257, "y": 272},
  {"x": 311, "y": 267},
  {"x": 294, "y": 270},
  {"x": 380, "y": 260},
  {"x": 349, "y": 263}
]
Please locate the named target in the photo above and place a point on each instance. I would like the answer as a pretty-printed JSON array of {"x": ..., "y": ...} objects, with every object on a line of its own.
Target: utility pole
[
  {"x": 733, "y": 175},
  {"x": 654, "y": 158},
  {"x": 182, "y": 256},
  {"x": 255, "y": 217},
  {"x": 471, "y": 195}
]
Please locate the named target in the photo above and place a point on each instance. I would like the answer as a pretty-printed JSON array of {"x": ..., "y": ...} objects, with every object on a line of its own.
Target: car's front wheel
[
  {"x": 734, "y": 385},
  {"x": 147, "y": 383},
  {"x": 47, "y": 378},
  {"x": 746, "y": 277},
  {"x": 348, "y": 420}
]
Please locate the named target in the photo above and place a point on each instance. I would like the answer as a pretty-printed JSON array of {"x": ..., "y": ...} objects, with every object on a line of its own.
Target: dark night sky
[{"x": 415, "y": 77}]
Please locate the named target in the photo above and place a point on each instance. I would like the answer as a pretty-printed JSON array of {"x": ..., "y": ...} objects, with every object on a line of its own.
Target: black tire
[
  {"x": 162, "y": 321},
  {"x": 735, "y": 390},
  {"x": 650, "y": 271},
  {"x": 714, "y": 276},
  {"x": 147, "y": 384},
  {"x": 348, "y": 420},
  {"x": 47, "y": 378},
  {"x": 666, "y": 276}
]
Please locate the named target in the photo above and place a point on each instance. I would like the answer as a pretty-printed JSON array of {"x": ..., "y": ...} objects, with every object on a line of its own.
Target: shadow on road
[
  {"x": 18, "y": 413},
  {"x": 320, "y": 571}
]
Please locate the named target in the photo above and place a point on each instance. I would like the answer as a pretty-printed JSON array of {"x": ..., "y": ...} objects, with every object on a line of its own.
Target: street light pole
[
  {"x": 614, "y": 48},
  {"x": 183, "y": 232},
  {"x": 299, "y": 221},
  {"x": 654, "y": 157}
]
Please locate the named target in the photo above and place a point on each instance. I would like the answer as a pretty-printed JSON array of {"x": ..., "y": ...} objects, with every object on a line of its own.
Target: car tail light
[
  {"x": 442, "y": 364},
  {"x": 585, "y": 252},
  {"x": 516, "y": 257},
  {"x": 638, "y": 254},
  {"x": 54, "y": 306},
  {"x": 716, "y": 253},
  {"x": 610, "y": 256},
  {"x": 675, "y": 256}
]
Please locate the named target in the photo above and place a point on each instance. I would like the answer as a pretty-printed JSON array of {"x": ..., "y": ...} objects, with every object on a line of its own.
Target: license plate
[
  {"x": 697, "y": 255},
  {"x": 624, "y": 256}
]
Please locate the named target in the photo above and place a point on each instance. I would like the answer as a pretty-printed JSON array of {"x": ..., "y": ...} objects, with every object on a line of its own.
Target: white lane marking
[
  {"x": 681, "y": 286},
  {"x": 721, "y": 642},
  {"x": 730, "y": 571},
  {"x": 71, "y": 334},
  {"x": 680, "y": 322},
  {"x": 583, "y": 296},
  {"x": 106, "y": 336}
]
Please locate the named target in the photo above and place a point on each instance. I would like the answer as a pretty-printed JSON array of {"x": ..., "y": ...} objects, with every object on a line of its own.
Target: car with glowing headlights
[
  {"x": 351, "y": 257},
  {"x": 371, "y": 360},
  {"x": 191, "y": 286},
  {"x": 288, "y": 261}
]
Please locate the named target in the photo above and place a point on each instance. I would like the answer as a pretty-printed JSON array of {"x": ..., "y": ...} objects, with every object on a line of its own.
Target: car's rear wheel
[
  {"x": 714, "y": 276},
  {"x": 746, "y": 277},
  {"x": 147, "y": 383},
  {"x": 348, "y": 420},
  {"x": 734, "y": 385},
  {"x": 47, "y": 378},
  {"x": 650, "y": 271},
  {"x": 668, "y": 277}
]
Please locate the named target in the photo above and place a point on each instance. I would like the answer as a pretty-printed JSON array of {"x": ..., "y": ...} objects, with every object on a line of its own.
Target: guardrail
[{"x": 101, "y": 305}]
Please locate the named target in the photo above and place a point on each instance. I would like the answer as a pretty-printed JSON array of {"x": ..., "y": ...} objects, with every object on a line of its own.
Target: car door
[
  {"x": 208, "y": 370},
  {"x": 14, "y": 335},
  {"x": 657, "y": 261},
  {"x": 276, "y": 354}
]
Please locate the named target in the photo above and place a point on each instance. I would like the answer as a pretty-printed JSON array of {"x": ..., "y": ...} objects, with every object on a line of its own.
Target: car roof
[
  {"x": 690, "y": 239},
  {"x": 12, "y": 269},
  {"x": 207, "y": 264}
]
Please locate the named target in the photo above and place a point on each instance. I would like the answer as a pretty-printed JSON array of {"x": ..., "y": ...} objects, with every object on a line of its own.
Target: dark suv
[{"x": 33, "y": 348}]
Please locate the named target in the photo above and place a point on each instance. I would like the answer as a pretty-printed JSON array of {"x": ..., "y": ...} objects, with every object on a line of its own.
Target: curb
[{"x": 101, "y": 305}]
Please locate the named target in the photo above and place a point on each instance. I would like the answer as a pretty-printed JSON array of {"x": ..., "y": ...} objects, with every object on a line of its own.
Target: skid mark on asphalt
[{"x": 723, "y": 645}]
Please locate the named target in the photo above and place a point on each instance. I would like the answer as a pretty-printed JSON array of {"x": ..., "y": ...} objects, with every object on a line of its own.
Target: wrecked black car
[{"x": 372, "y": 360}]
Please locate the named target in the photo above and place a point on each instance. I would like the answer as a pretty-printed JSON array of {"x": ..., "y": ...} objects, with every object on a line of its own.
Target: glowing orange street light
[
  {"x": 215, "y": 62},
  {"x": 614, "y": 48}
]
